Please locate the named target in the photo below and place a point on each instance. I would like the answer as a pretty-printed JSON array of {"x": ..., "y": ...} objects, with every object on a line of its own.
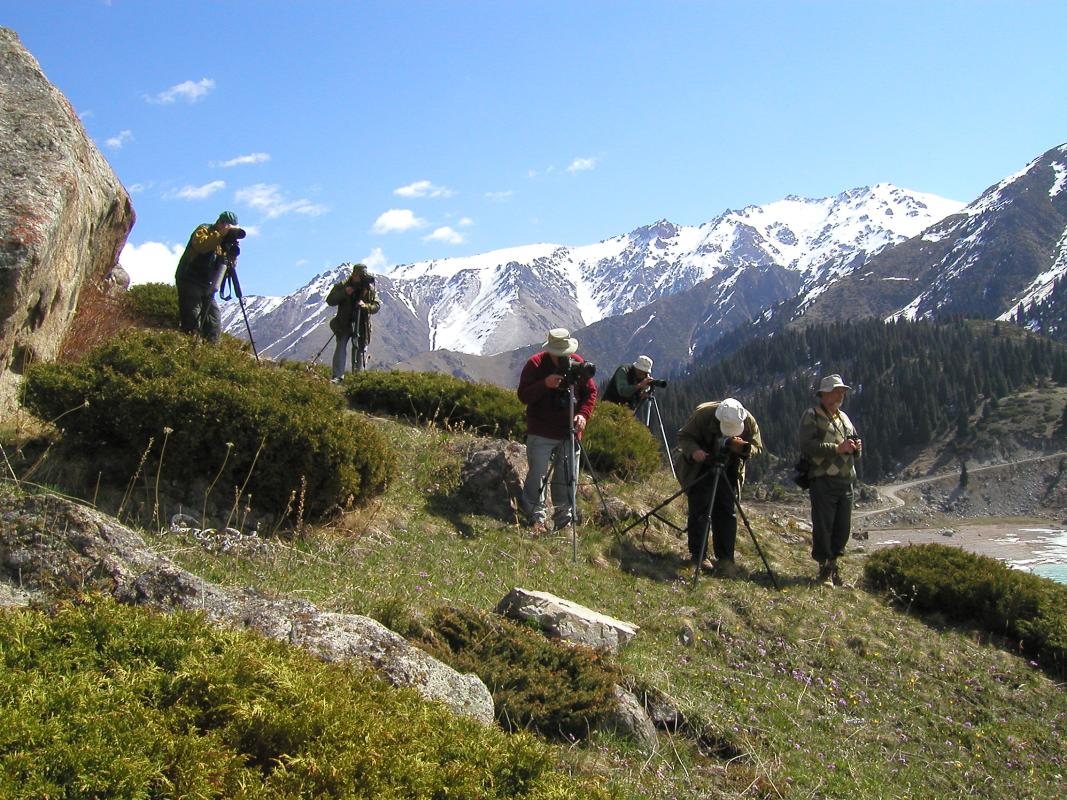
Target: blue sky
[{"x": 394, "y": 132}]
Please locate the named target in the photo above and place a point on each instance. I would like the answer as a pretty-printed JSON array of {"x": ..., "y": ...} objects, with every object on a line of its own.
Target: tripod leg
[
  {"x": 744, "y": 518},
  {"x": 663, "y": 435},
  {"x": 715, "y": 473}
]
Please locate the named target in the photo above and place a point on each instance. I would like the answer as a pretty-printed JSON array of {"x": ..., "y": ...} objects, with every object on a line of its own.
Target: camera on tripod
[
  {"x": 657, "y": 383},
  {"x": 574, "y": 371},
  {"x": 230, "y": 248}
]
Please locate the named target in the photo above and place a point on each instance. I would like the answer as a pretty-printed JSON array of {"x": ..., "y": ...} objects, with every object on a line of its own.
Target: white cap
[
  {"x": 560, "y": 342},
  {"x": 643, "y": 364},
  {"x": 731, "y": 416}
]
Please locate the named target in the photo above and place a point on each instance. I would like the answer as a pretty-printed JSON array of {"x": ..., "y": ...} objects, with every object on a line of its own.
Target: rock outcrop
[
  {"x": 566, "y": 620},
  {"x": 50, "y": 546},
  {"x": 64, "y": 215}
]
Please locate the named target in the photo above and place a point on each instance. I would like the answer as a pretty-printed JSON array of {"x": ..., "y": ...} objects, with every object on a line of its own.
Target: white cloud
[
  {"x": 423, "y": 189},
  {"x": 397, "y": 220},
  {"x": 119, "y": 140},
  {"x": 151, "y": 262},
  {"x": 197, "y": 192},
  {"x": 446, "y": 235},
  {"x": 269, "y": 199},
  {"x": 189, "y": 91},
  {"x": 251, "y": 158},
  {"x": 137, "y": 188},
  {"x": 465, "y": 221},
  {"x": 499, "y": 196},
  {"x": 581, "y": 164},
  {"x": 376, "y": 260}
]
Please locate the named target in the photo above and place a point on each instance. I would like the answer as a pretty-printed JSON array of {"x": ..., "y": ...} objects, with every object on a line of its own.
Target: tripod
[
  {"x": 645, "y": 411},
  {"x": 229, "y": 276},
  {"x": 715, "y": 473}
]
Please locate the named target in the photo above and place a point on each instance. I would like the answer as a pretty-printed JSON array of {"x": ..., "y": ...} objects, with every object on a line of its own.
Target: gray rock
[
  {"x": 64, "y": 216},
  {"x": 563, "y": 619},
  {"x": 52, "y": 545},
  {"x": 629, "y": 719},
  {"x": 492, "y": 476}
]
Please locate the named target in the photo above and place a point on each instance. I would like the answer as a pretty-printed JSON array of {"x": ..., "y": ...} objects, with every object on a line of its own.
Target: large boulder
[
  {"x": 64, "y": 216},
  {"x": 50, "y": 546}
]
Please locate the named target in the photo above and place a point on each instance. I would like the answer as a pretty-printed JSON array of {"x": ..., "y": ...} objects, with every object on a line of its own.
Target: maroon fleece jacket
[{"x": 546, "y": 409}]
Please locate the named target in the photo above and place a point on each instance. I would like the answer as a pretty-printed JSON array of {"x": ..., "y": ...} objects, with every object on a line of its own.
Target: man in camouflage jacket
[{"x": 829, "y": 441}]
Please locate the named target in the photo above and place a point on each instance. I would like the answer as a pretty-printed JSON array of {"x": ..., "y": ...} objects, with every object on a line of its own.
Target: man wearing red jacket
[{"x": 543, "y": 389}]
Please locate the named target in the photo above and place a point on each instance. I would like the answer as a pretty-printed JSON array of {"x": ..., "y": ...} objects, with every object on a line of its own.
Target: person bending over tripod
[
  {"x": 356, "y": 300},
  {"x": 545, "y": 387},
  {"x": 195, "y": 277},
  {"x": 718, "y": 439}
]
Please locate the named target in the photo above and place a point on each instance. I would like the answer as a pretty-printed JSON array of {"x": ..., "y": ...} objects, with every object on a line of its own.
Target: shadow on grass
[{"x": 636, "y": 559}]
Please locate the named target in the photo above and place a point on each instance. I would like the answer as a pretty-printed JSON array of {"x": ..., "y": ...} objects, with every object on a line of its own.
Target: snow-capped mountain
[
  {"x": 1005, "y": 250},
  {"x": 507, "y": 299}
]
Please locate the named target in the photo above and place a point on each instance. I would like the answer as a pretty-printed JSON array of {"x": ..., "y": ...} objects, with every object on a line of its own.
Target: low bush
[
  {"x": 978, "y": 590},
  {"x": 615, "y": 442},
  {"x": 104, "y": 700},
  {"x": 537, "y": 684},
  {"x": 152, "y": 304},
  {"x": 291, "y": 436}
]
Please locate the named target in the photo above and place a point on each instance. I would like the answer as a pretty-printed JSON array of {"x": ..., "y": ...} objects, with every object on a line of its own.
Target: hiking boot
[
  {"x": 706, "y": 565},
  {"x": 538, "y": 529},
  {"x": 726, "y": 568},
  {"x": 826, "y": 573},
  {"x": 835, "y": 575}
]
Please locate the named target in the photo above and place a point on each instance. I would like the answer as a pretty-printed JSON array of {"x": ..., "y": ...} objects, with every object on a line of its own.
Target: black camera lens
[{"x": 659, "y": 383}]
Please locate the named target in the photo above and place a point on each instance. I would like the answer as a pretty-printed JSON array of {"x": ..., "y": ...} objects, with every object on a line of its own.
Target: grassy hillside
[{"x": 807, "y": 691}]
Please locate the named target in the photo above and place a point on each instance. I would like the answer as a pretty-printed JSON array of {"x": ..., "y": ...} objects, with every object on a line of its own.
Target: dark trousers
[
  {"x": 198, "y": 312},
  {"x": 723, "y": 515},
  {"x": 831, "y": 517}
]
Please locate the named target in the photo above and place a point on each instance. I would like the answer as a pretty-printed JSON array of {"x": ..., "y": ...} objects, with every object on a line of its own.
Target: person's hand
[
  {"x": 579, "y": 423},
  {"x": 553, "y": 381},
  {"x": 349, "y": 289},
  {"x": 848, "y": 446},
  {"x": 699, "y": 456},
  {"x": 643, "y": 383}
]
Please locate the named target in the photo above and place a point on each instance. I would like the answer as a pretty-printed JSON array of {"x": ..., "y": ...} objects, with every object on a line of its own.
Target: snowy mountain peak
[{"x": 506, "y": 299}]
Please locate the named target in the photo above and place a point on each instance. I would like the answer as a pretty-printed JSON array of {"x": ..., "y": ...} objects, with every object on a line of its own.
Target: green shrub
[
  {"x": 615, "y": 442},
  {"x": 556, "y": 690},
  {"x": 104, "y": 700},
  {"x": 153, "y": 304},
  {"x": 978, "y": 590},
  {"x": 290, "y": 433}
]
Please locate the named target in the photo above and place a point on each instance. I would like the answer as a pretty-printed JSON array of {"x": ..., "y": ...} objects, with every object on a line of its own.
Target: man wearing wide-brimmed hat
[
  {"x": 543, "y": 389},
  {"x": 630, "y": 383},
  {"x": 828, "y": 439}
]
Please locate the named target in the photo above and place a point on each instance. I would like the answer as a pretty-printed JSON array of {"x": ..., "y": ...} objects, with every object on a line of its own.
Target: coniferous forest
[{"x": 911, "y": 382}]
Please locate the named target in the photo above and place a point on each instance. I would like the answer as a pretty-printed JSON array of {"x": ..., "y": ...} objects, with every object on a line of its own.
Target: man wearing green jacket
[
  {"x": 356, "y": 300},
  {"x": 630, "y": 383},
  {"x": 829, "y": 440},
  {"x": 195, "y": 277},
  {"x": 717, "y": 434}
]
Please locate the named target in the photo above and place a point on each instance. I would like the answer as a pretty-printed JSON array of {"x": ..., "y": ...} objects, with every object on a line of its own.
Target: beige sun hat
[
  {"x": 560, "y": 342},
  {"x": 731, "y": 416},
  {"x": 643, "y": 364},
  {"x": 831, "y": 382}
]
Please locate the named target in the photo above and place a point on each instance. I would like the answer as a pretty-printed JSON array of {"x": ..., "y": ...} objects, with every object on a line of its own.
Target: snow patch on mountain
[{"x": 1042, "y": 285}]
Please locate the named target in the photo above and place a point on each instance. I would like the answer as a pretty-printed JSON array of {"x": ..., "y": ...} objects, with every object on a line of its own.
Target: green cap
[{"x": 228, "y": 217}]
